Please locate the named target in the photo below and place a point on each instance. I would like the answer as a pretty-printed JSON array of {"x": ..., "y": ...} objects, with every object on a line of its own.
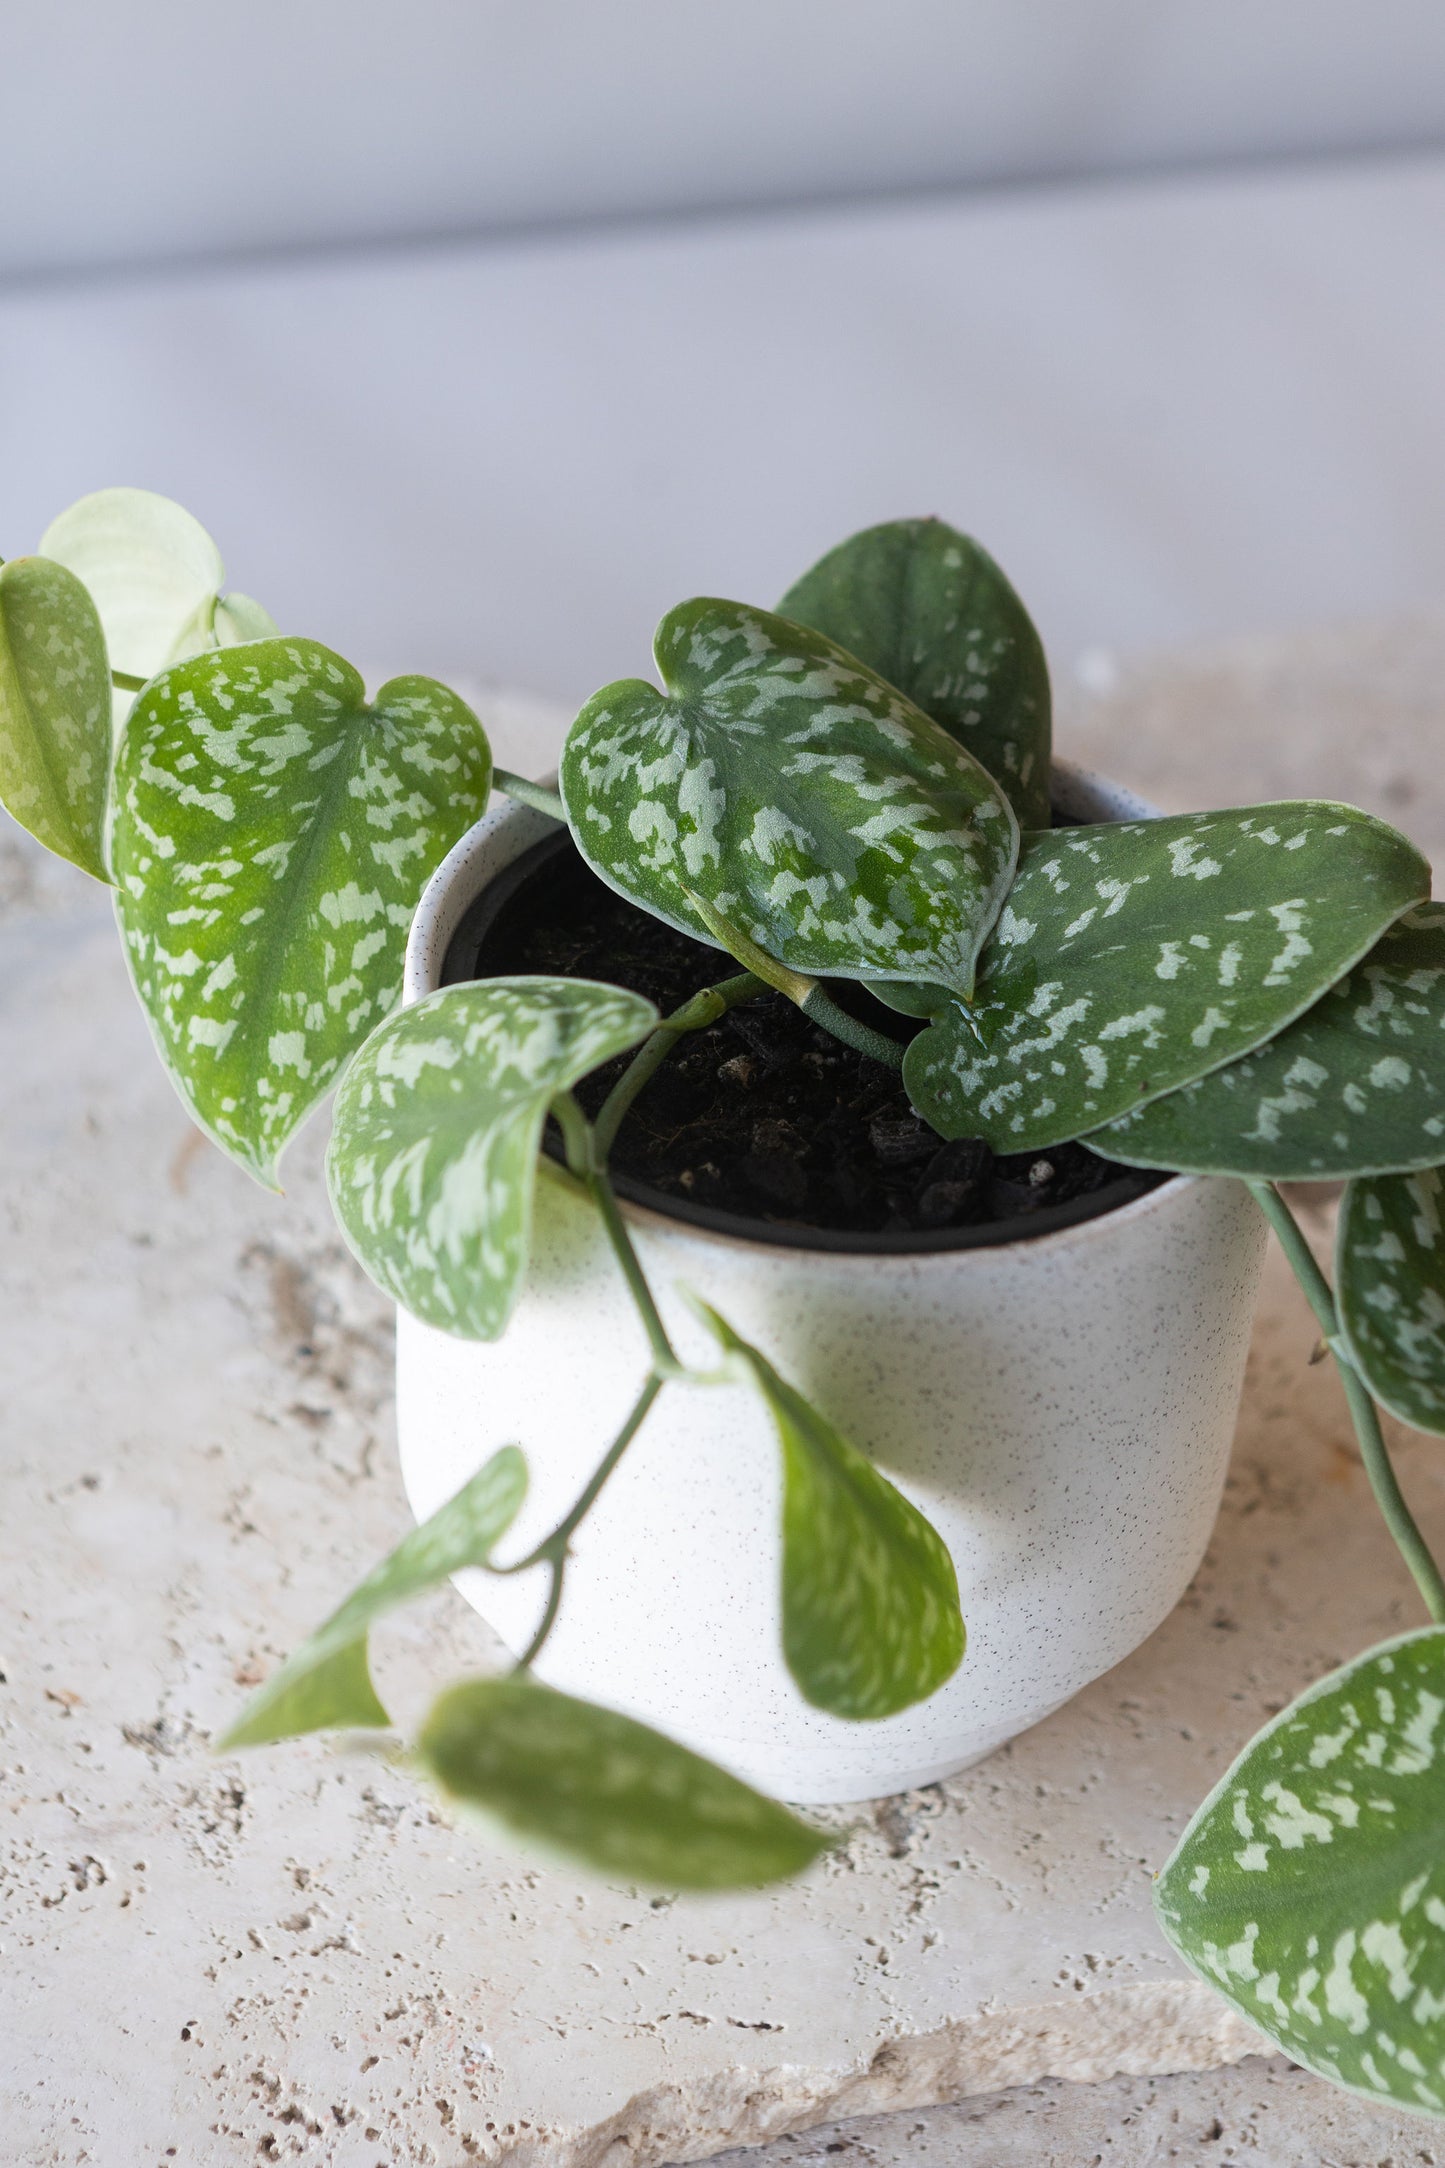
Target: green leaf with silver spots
[
  {"x": 871, "y": 1618},
  {"x": 803, "y": 798},
  {"x": 1310, "y": 1886},
  {"x": 55, "y": 723},
  {"x": 1355, "y": 1086},
  {"x": 326, "y": 1684},
  {"x": 1390, "y": 1285},
  {"x": 155, "y": 576},
  {"x": 585, "y": 1784},
  {"x": 932, "y": 613},
  {"x": 1134, "y": 957},
  {"x": 272, "y": 835},
  {"x": 434, "y": 1141}
]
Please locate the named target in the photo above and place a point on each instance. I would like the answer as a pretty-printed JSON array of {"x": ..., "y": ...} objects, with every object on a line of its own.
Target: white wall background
[
  {"x": 1176, "y": 406},
  {"x": 137, "y": 129}
]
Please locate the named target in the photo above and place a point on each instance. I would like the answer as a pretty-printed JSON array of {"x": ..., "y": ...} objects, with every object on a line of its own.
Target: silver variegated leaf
[
  {"x": 871, "y": 1619},
  {"x": 1390, "y": 1285},
  {"x": 577, "y": 1781},
  {"x": 1133, "y": 957},
  {"x": 327, "y": 1683},
  {"x": 155, "y": 576},
  {"x": 1310, "y": 1886},
  {"x": 798, "y": 794},
  {"x": 437, "y": 1124},
  {"x": 1355, "y": 1086},
  {"x": 931, "y": 612},
  {"x": 55, "y": 721},
  {"x": 272, "y": 834}
]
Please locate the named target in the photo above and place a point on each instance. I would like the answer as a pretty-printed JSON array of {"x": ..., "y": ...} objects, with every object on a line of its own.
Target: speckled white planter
[{"x": 1060, "y": 1407}]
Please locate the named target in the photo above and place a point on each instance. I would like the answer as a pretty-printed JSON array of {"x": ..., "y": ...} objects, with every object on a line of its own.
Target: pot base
[{"x": 824, "y": 1780}]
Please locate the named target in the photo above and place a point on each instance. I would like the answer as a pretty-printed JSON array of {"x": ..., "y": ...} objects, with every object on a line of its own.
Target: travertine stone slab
[
  {"x": 293, "y": 1955},
  {"x": 1264, "y": 2111}
]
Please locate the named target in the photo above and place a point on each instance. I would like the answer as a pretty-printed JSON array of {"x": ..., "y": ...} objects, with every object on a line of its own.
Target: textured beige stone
[
  {"x": 1264, "y": 2111},
  {"x": 293, "y": 1955},
  {"x": 1353, "y": 711}
]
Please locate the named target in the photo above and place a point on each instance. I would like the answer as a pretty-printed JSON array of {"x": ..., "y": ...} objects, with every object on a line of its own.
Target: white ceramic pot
[{"x": 1060, "y": 1407}]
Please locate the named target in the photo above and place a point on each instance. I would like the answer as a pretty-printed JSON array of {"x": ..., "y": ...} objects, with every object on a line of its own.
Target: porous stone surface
[
  {"x": 1354, "y": 712},
  {"x": 295, "y": 1955},
  {"x": 1262, "y": 2112}
]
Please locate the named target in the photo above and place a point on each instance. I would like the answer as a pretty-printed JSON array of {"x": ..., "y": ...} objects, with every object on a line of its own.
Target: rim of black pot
[{"x": 459, "y": 968}]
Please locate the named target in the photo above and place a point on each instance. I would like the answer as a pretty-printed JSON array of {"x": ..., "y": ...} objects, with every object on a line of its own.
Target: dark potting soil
[{"x": 763, "y": 1116}]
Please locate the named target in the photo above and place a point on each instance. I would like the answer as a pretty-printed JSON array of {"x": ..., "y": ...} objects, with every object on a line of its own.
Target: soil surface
[{"x": 764, "y": 1115}]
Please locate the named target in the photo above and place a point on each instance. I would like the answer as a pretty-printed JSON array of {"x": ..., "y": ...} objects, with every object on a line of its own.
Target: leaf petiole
[
  {"x": 536, "y": 795},
  {"x": 695, "y": 1015},
  {"x": 1363, "y": 1412},
  {"x": 585, "y": 1161},
  {"x": 821, "y": 1009},
  {"x": 124, "y": 682},
  {"x": 799, "y": 987}
]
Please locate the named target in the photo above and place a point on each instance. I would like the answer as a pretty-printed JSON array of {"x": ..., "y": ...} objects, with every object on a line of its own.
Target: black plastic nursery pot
[{"x": 764, "y": 1126}]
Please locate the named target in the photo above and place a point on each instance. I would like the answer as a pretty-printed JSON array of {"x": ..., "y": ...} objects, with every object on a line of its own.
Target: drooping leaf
[
  {"x": 1355, "y": 1086},
  {"x": 871, "y": 1619},
  {"x": 931, "y": 612},
  {"x": 1133, "y": 957},
  {"x": 272, "y": 835},
  {"x": 798, "y": 794},
  {"x": 1310, "y": 1886},
  {"x": 1390, "y": 1285},
  {"x": 55, "y": 730},
  {"x": 577, "y": 1780},
  {"x": 327, "y": 1683},
  {"x": 155, "y": 576},
  {"x": 434, "y": 1141}
]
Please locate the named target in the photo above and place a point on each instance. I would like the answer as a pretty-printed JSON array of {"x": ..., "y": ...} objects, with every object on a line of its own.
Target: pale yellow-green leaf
[
  {"x": 155, "y": 576},
  {"x": 55, "y": 736}
]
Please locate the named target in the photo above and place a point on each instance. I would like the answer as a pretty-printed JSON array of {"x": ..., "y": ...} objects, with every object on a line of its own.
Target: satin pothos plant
[{"x": 851, "y": 787}]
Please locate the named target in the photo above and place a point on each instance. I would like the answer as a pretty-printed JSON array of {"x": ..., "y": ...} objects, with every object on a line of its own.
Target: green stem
[
  {"x": 585, "y": 1161},
  {"x": 664, "y": 1355},
  {"x": 799, "y": 987},
  {"x": 554, "y": 1550},
  {"x": 822, "y": 1010},
  {"x": 576, "y": 1136},
  {"x": 536, "y": 795},
  {"x": 125, "y": 683},
  {"x": 704, "y": 1008},
  {"x": 1363, "y": 1412}
]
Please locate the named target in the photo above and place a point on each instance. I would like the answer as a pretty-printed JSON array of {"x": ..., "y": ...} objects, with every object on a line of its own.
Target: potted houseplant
[{"x": 839, "y": 816}]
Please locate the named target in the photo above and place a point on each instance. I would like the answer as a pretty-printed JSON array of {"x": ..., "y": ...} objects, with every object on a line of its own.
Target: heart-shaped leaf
[
  {"x": 1133, "y": 957},
  {"x": 1310, "y": 1886},
  {"x": 1355, "y": 1086},
  {"x": 272, "y": 835},
  {"x": 327, "y": 1683},
  {"x": 871, "y": 1620},
  {"x": 434, "y": 1141},
  {"x": 583, "y": 1782},
  {"x": 155, "y": 576},
  {"x": 931, "y": 612},
  {"x": 1390, "y": 1284},
  {"x": 799, "y": 795},
  {"x": 55, "y": 729}
]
